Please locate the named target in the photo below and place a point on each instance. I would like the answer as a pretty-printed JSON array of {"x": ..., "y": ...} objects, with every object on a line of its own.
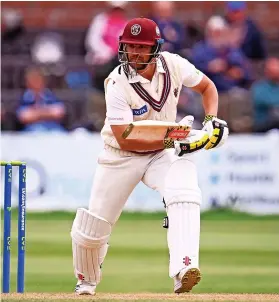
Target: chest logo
[
  {"x": 140, "y": 111},
  {"x": 175, "y": 92}
]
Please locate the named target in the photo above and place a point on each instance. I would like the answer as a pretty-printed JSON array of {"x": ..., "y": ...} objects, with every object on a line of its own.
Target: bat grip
[{"x": 194, "y": 132}]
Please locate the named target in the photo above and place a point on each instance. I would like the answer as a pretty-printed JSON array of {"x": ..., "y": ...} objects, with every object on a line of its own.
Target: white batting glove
[
  {"x": 213, "y": 135},
  {"x": 217, "y": 130},
  {"x": 196, "y": 141},
  {"x": 188, "y": 120}
]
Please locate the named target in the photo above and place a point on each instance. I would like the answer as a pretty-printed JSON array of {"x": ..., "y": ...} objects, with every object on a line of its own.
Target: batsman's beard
[{"x": 144, "y": 67}]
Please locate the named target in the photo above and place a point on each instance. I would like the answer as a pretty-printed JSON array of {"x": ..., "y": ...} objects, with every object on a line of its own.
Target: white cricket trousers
[{"x": 118, "y": 172}]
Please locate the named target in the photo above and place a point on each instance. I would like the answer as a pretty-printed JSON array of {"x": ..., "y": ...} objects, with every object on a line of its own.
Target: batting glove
[
  {"x": 196, "y": 141},
  {"x": 214, "y": 134},
  {"x": 186, "y": 121},
  {"x": 217, "y": 131}
]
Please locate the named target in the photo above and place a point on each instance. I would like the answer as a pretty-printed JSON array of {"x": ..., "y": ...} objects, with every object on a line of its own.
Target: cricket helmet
[{"x": 140, "y": 31}]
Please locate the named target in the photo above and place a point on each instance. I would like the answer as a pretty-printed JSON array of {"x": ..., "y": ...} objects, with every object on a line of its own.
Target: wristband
[
  {"x": 208, "y": 117},
  {"x": 168, "y": 143}
]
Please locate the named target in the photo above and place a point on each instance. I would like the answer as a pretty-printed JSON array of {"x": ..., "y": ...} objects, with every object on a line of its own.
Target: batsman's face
[{"x": 138, "y": 54}]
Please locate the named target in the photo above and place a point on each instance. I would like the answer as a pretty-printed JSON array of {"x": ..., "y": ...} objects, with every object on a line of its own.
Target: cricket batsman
[{"x": 146, "y": 86}]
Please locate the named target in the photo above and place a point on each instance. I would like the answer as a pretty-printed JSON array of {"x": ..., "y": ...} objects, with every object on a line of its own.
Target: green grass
[{"x": 239, "y": 253}]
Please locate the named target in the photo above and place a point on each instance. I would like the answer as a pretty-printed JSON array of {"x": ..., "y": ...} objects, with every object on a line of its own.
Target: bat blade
[{"x": 155, "y": 131}]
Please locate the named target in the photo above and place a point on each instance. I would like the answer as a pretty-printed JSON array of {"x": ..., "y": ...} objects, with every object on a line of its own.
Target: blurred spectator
[
  {"x": 265, "y": 95},
  {"x": 190, "y": 103},
  {"x": 11, "y": 25},
  {"x": 78, "y": 79},
  {"x": 39, "y": 108},
  {"x": 227, "y": 67},
  {"x": 9, "y": 121},
  {"x": 48, "y": 48},
  {"x": 171, "y": 30},
  {"x": 244, "y": 31},
  {"x": 102, "y": 40},
  {"x": 194, "y": 33}
]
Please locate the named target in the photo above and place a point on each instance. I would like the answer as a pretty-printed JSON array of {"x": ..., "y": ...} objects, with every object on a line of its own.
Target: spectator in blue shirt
[
  {"x": 227, "y": 67},
  {"x": 172, "y": 31},
  {"x": 265, "y": 96},
  {"x": 39, "y": 108},
  {"x": 248, "y": 37}
]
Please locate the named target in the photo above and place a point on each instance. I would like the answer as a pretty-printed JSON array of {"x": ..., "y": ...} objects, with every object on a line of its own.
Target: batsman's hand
[
  {"x": 196, "y": 141},
  {"x": 186, "y": 121},
  {"x": 214, "y": 134},
  {"x": 217, "y": 131}
]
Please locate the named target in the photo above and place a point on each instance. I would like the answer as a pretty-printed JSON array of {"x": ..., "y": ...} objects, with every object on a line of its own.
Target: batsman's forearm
[
  {"x": 141, "y": 145},
  {"x": 210, "y": 100}
]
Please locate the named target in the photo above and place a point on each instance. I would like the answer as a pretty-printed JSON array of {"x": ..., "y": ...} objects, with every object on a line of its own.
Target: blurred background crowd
[{"x": 56, "y": 55}]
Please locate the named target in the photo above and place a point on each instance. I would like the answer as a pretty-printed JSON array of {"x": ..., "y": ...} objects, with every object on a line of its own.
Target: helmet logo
[
  {"x": 157, "y": 31},
  {"x": 135, "y": 29}
]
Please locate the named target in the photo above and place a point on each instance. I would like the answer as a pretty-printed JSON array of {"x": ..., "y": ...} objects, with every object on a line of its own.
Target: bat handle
[{"x": 194, "y": 132}]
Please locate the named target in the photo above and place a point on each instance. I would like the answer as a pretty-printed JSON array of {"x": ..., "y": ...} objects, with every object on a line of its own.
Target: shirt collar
[{"x": 134, "y": 78}]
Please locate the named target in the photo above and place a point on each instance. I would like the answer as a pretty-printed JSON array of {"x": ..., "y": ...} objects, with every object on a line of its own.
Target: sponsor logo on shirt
[
  {"x": 115, "y": 118},
  {"x": 140, "y": 111}
]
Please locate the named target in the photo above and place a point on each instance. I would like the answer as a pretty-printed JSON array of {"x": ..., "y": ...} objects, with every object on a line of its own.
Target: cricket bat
[{"x": 156, "y": 130}]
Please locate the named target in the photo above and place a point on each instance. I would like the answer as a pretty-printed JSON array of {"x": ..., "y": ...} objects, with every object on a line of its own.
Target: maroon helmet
[{"x": 140, "y": 31}]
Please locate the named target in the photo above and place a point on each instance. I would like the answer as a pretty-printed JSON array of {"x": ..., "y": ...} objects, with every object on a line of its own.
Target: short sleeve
[
  {"x": 26, "y": 101},
  {"x": 189, "y": 74},
  {"x": 118, "y": 110}
]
